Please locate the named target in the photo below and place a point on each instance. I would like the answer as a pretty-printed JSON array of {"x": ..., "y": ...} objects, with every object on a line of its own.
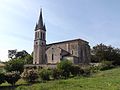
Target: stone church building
[{"x": 77, "y": 51}]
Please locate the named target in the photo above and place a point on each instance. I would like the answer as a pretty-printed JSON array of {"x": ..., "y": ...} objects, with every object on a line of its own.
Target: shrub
[
  {"x": 76, "y": 70},
  {"x": 45, "y": 74},
  {"x": 86, "y": 70},
  {"x": 65, "y": 67},
  {"x": 30, "y": 75},
  {"x": 56, "y": 73},
  {"x": 105, "y": 65},
  {"x": 2, "y": 78},
  {"x": 2, "y": 70},
  {"x": 12, "y": 77},
  {"x": 95, "y": 69}
]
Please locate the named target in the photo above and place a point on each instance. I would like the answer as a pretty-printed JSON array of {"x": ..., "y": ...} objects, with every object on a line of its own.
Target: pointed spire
[
  {"x": 40, "y": 21},
  {"x": 40, "y": 24},
  {"x": 44, "y": 27},
  {"x": 36, "y": 27}
]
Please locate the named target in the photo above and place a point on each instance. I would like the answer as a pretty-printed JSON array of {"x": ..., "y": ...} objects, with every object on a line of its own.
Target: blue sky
[{"x": 96, "y": 21}]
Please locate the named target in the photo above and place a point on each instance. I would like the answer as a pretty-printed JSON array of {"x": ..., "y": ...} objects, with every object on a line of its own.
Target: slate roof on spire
[
  {"x": 36, "y": 27},
  {"x": 44, "y": 27},
  {"x": 40, "y": 25},
  {"x": 40, "y": 22}
]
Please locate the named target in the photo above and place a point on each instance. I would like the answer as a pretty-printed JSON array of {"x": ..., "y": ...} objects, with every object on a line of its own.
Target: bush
[
  {"x": 30, "y": 75},
  {"x": 2, "y": 78},
  {"x": 76, "y": 70},
  {"x": 65, "y": 67},
  {"x": 95, "y": 69},
  {"x": 86, "y": 71},
  {"x": 105, "y": 65},
  {"x": 56, "y": 73},
  {"x": 12, "y": 77},
  {"x": 45, "y": 74},
  {"x": 2, "y": 70}
]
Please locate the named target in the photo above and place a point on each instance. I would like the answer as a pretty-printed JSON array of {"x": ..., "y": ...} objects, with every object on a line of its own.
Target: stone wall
[
  {"x": 53, "y": 54},
  {"x": 76, "y": 48}
]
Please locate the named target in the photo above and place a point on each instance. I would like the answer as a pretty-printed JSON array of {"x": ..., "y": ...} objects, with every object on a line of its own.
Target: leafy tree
[
  {"x": 103, "y": 52},
  {"x": 28, "y": 59},
  {"x": 15, "y": 65}
]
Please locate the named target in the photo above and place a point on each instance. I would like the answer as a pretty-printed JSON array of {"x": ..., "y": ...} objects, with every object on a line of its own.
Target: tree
[
  {"x": 28, "y": 59},
  {"x": 15, "y": 65},
  {"x": 103, "y": 52}
]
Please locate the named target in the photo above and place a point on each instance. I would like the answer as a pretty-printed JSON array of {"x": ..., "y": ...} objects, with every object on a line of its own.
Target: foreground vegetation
[{"x": 103, "y": 80}]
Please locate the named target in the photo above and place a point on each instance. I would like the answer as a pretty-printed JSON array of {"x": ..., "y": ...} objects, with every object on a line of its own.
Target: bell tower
[{"x": 39, "y": 42}]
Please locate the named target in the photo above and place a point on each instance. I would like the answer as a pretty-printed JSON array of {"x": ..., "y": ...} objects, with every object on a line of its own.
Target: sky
[{"x": 96, "y": 21}]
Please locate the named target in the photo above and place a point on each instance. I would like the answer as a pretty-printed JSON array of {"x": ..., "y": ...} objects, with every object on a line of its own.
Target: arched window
[
  {"x": 52, "y": 54},
  {"x": 35, "y": 35},
  {"x": 38, "y": 35},
  {"x": 52, "y": 57},
  {"x": 52, "y": 50},
  {"x": 41, "y": 36},
  {"x": 72, "y": 52}
]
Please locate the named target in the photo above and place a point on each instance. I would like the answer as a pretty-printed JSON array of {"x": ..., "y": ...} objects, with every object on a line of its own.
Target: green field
[{"x": 105, "y": 80}]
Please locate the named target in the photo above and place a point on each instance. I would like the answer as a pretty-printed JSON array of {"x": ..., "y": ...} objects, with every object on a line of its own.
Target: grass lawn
[{"x": 105, "y": 80}]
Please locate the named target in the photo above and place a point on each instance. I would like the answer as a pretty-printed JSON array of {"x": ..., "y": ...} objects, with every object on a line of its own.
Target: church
[{"x": 77, "y": 50}]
